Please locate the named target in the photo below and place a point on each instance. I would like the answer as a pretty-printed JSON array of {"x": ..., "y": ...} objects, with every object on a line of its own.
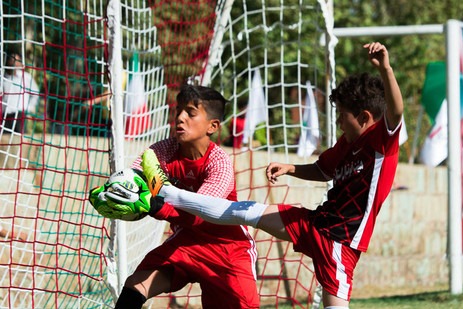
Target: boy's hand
[
  {"x": 275, "y": 170},
  {"x": 123, "y": 209},
  {"x": 378, "y": 55}
]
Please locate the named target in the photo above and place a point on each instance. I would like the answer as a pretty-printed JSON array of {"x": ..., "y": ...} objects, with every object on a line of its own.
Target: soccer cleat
[{"x": 156, "y": 178}]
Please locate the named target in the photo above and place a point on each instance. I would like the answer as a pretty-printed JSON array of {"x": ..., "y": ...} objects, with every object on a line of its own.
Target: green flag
[
  {"x": 434, "y": 89},
  {"x": 435, "y": 148}
]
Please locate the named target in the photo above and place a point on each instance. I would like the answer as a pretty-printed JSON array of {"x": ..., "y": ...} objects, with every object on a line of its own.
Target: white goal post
[{"x": 453, "y": 38}]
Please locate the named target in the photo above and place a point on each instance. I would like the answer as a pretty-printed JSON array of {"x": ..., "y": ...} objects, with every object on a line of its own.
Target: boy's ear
[
  {"x": 366, "y": 117},
  {"x": 214, "y": 125}
]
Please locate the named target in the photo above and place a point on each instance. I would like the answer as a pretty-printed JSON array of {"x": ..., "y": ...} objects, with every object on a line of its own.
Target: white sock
[
  {"x": 214, "y": 209},
  {"x": 336, "y": 307}
]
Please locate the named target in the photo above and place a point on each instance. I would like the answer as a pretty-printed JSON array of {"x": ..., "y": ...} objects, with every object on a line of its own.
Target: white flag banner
[
  {"x": 310, "y": 133},
  {"x": 256, "y": 111},
  {"x": 137, "y": 117},
  {"x": 403, "y": 135},
  {"x": 135, "y": 97},
  {"x": 434, "y": 149}
]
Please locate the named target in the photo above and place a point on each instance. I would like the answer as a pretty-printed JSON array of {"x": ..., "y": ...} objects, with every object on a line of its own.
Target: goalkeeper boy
[
  {"x": 220, "y": 258},
  {"x": 362, "y": 165}
]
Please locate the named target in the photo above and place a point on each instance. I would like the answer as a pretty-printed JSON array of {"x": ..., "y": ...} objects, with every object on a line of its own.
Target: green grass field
[{"x": 432, "y": 300}]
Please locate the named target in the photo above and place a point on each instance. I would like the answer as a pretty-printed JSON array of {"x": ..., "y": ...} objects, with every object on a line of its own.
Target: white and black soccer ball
[
  {"x": 123, "y": 183},
  {"x": 128, "y": 187}
]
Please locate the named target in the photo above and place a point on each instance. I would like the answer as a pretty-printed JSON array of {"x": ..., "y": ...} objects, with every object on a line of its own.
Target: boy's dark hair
[
  {"x": 212, "y": 100},
  {"x": 360, "y": 92}
]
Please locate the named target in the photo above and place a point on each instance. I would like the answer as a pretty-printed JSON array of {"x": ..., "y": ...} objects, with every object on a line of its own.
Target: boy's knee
[
  {"x": 132, "y": 281},
  {"x": 150, "y": 283},
  {"x": 130, "y": 299},
  {"x": 331, "y": 301}
]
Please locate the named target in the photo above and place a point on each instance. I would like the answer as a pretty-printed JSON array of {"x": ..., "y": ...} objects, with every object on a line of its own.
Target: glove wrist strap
[{"x": 156, "y": 203}]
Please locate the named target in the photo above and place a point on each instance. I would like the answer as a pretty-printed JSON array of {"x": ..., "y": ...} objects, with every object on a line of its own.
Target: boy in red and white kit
[
  {"x": 220, "y": 258},
  {"x": 362, "y": 165}
]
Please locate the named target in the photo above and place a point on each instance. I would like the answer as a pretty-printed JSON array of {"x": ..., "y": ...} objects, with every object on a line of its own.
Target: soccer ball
[{"x": 128, "y": 192}]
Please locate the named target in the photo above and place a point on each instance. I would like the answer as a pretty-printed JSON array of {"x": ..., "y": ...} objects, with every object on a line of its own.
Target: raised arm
[{"x": 379, "y": 57}]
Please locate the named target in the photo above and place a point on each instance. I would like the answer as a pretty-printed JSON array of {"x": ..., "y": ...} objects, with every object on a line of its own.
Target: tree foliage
[{"x": 409, "y": 53}]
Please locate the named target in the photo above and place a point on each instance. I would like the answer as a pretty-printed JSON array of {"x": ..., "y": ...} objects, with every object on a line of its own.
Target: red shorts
[
  {"x": 333, "y": 262},
  {"x": 225, "y": 272}
]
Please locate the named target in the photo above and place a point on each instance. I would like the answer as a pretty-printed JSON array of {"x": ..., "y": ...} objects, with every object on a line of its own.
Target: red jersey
[
  {"x": 221, "y": 259},
  {"x": 212, "y": 175},
  {"x": 363, "y": 172}
]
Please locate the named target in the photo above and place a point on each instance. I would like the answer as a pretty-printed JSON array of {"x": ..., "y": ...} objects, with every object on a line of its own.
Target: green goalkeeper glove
[
  {"x": 125, "y": 196},
  {"x": 155, "y": 176},
  {"x": 107, "y": 208}
]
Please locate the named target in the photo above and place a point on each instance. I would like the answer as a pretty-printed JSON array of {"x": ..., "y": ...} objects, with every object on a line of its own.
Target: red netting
[
  {"x": 48, "y": 169},
  {"x": 185, "y": 30}
]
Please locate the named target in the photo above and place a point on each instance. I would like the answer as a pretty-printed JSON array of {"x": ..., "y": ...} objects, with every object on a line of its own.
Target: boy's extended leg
[
  {"x": 212, "y": 209},
  {"x": 225, "y": 212}
]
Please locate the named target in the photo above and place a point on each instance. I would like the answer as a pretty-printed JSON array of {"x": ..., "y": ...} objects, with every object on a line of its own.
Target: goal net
[
  {"x": 88, "y": 85},
  {"x": 271, "y": 65}
]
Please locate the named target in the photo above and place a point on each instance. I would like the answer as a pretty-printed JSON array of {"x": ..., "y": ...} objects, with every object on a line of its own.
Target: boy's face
[
  {"x": 351, "y": 125},
  {"x": 192, "y": 123}
]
